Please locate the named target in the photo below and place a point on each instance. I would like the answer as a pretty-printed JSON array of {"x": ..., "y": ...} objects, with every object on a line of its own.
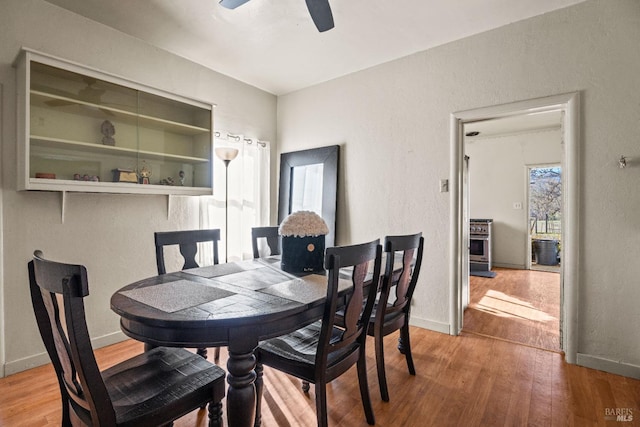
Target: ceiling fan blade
[
  {"x": 321, "y": 14},
  {"x": 232, "y": 4}
]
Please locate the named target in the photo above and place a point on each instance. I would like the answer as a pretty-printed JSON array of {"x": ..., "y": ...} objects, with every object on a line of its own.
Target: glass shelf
[{"x": 96, "y": 110}]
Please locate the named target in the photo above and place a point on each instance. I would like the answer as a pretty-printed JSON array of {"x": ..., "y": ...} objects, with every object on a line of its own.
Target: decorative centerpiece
[{"x": 303, "y": 234}]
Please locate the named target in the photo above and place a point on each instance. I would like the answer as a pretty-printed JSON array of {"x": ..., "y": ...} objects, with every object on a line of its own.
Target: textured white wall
[
  {"x": 111, "y": 234},
  {"x": 498, "y": 178},
  {"x": 392, "y": 121}
]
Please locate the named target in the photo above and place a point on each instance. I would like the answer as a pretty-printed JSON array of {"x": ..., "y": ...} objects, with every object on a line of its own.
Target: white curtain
[{"x": 248, "y": 195}]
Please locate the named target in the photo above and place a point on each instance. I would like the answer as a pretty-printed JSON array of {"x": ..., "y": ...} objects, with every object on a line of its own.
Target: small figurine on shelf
[
  {"x": 145, "y": 173},
  {"x": 181, "y": 175},
  {"x": 108, "y": 130}
]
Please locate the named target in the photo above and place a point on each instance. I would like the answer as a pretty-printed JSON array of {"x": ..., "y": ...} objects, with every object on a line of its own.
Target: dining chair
[
  {"x": 391, "y": 311},
  {"x": 271, "y": 236},
  {"x": 322, "y": 351},
  {"x": 187, "y": 241},
  {"x": 151, "y": 389}
]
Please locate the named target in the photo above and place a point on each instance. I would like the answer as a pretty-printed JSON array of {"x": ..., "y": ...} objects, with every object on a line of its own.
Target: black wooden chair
[
  {"x": 270, "y": 234},
  {"x": 322, "y": 351},
  {"x": 392, "y": 310},
  {"x": 151, "y": 389},
  {"x": 187, "y": 241}
]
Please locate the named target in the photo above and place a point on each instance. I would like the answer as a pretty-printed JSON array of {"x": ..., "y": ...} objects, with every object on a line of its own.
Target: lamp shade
[{"x": 226, "y": 153}]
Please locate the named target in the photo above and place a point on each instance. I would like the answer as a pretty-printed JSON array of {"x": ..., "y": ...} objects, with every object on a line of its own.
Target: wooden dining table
[{"x": 234, "y": 304}]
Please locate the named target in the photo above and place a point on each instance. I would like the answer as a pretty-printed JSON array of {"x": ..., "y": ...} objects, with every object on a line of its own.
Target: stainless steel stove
[{"x": 480, "y": 244}]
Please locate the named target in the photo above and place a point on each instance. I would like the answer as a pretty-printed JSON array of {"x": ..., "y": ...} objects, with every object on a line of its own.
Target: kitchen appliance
[{"x": 480, "y": 244}]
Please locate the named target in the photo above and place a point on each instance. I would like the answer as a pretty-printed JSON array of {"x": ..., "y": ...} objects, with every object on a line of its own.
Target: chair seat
[
  {"x": 388, "y": 317},
  {"x": 301, "y": 346},
  {"x": 151, "y": 381}
]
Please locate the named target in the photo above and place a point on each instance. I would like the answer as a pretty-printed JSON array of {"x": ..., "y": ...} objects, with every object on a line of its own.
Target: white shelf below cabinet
[{"x": 43, "y": 184}]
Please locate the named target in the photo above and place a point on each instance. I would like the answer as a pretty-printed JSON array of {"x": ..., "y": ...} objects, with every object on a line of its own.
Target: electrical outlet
[
  {"x": 444, "y": 185},
  {"x": 517, "y": 205}
]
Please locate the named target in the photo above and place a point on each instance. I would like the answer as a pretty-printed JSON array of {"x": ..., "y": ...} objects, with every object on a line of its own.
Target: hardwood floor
[
  {"x": 522, "y": 306},
  {"x": 469, "y": 380}
]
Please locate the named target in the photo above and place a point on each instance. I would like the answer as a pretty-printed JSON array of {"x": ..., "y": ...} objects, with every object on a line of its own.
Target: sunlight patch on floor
[
  {"x": 283, "y": 405},
  {"x": 503, "y": 305}
]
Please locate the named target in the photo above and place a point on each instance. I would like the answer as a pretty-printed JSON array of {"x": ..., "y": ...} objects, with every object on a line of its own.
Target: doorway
[
  {"x": 508, "y": 301},
  {"x": 545, "y": 217},
  {"x": 568, "y": 104}
]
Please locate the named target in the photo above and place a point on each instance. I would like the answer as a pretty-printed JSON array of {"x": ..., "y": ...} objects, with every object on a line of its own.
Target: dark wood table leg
[{"x": 241, "y": 376}]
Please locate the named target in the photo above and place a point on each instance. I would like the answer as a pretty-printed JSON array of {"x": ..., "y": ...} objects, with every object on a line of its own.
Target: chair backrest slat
[
  {"x": 187, "y": 240},
  {"x": 272, "y": 237}
]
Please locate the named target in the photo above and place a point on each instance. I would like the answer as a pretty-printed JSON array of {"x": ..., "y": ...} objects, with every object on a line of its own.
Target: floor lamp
[{"x": 226, "y": 154}]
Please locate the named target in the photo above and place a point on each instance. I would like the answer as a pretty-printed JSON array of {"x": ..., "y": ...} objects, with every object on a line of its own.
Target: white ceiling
[{"x": 274, "y": 45}]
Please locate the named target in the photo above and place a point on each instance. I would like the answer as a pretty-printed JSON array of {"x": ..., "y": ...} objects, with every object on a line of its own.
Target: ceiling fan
[
  {"x": 89, "y": 93},
  {"x": 320, "y": 11}
]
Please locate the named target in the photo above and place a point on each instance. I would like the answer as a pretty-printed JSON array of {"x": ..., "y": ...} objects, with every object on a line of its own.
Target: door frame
[
  {"x": 2, "y": 311},
  {"x": 569, "y": 103}
]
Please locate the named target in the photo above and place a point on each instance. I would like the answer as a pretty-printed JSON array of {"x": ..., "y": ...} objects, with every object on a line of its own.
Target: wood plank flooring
[
  {"x": 469, "y": 380},
  {"x": 522, "y": 306}
]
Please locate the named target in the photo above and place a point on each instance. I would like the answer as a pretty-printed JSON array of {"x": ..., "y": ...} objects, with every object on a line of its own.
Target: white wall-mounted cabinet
[{"x": 83, "y": 130}]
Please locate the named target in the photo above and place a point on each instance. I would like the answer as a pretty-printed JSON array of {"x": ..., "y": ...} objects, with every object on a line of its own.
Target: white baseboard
[
  {"x": 607, "y": 365},
  {"x": 511, "y": 266},
  {"x": 429, "y": 324},
  {"x": 40, "y": 359},
  {"x": 105, "y": 340},
  {"x": 20, "y": 365}
]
